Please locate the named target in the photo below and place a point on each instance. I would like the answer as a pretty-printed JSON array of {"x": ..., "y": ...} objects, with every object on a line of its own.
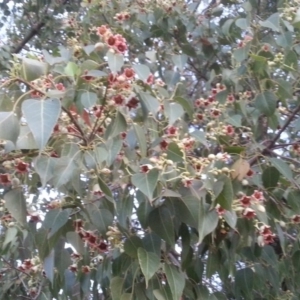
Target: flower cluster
[
  {"x": 95, "y": 242},
  {"x": 266, "y": 236},
  {"x": 246, "y": 202},
  {"x": 114, "y": 41}
]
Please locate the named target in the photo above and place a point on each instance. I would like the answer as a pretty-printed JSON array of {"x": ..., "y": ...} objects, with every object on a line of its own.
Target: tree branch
[{"x": 35, "y": 30}]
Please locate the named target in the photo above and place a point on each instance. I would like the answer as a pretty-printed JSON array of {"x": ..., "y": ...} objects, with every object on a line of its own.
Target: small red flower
[
  {"x": 132, "y": 103},
  {"x": 34, "y": 218},
  {"x": 150, "y": 79},
  {"x": 60, "y": 87},
  {"x": 129, "y": 73},
  {"x": 296, "y": 219},
  {"x": 145, "y": 168},
  {"x": 249, "y": 213},
  {"x": 123, "y": 135},
  {"x": 245, "y": 201},
  {"x": 229, "y": 130},
  {"x": 257, "y": 195},
  {"x": 200, "y": 117},
  {"x": 211, "y": 99},
  {"x": 172, "y": 131},
  {"x": 73, "y": 268},
  {"x": 102, "y": 30},
  {"x": 220, "y": 210},
  {"x": 163, "y": 145},
  {"x": 269, "y": 239},
  {"x": 5, "y": 179},
  {"x": 103, "y": 247},
  {"x": 230, "y": 98},
  {"x": 215, "y": 113},
  {"x": 187, "y": 182},
  {"x": 214, "y": 91},
  {"x": 85, "y": 269},
  {"x": 22, "y": 167},
  {"x": 119, "y": 100},
  {"x": 121, "y": 47},
  {"x": 111, "y": 41}
]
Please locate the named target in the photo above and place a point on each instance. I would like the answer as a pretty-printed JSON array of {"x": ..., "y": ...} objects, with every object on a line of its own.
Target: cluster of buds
[
  {"x": 121, "y": 17},
  {"x": 278, "y": 59}
]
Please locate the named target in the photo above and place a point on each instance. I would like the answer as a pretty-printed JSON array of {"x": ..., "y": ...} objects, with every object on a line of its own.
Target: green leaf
[
  {"x": 200, "y": 137},
  {"x": 104, "y": 188},
  {"x": 176, "y": 281},
  {"x": 149, "y": 263},
  {"x": 44, "y": 166},
  {"x": 72, "y": 69},
  {"x": 174, "y": 153},
  {"x": 285, "y": 89},
  {"x": 16, "y": 204},
  {"x": 146, "y": 182},
  {"x": 225, "y": 198},
  {"x": 283, "y": 168},
  {"x": 25, "y": 139},
  {"x": 141, "y": 137},
  {"x": 32, "y": 69},
  {"x": 270, "y": 177},
  {"x": 272, "y": 22},
  {"x": 293, "y": 201},
  {"x": 174, "y": 111},
  {"x": 114, "y": 145},
  {"x": 235, "y": 120},
  {"x": 88, "y": 99},
  {"x": 186, "y": 105},
  {"x": 131, "y": 246},
  {"x": 152, "y": 243},
  {"x": 150, "y": 102},
  {"x": 142, "y": 71},
  {"x": 55, "y": 219},
  {"x": 231, "y": 218},
  {"x": 115, "y": 61},
  {"x": 48, "y": 265},
  {"x": 46, "y": 114},
  {"x": 244, "y": 279},
  {"x": 242, "y": 23},
  {"x": 162, "y": 223},
  {"x": 117, "y": 126},
  {"x": 102, "y": 218},
  {"x": 116, "y": 287},
  {"x": 266, "y": 103},
  {"x": 10, "y": 236},
  {"x": 9, "y": 126},
  {"x": 64, "y": 169},
  {"x": 180, "y": 61}
]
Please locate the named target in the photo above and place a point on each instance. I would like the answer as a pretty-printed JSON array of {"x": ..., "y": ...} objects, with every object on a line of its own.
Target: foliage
[{"x": 152, "y": 152}]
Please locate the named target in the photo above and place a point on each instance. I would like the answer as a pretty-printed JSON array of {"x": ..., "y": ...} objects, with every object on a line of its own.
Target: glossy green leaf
[
  {"x": 9, "y": 126},
  {"x": 102, "y": 218},
  {"x": 115, "y": 61},
  {"x": 141, "y": 138},
  {"x": 88, "y": 99},
  {"x": 200, "y": 137},
  {"x": 146, "y": 182},
  {"x": 266, "y": 103},
  {"x": 32, "y": 69},
  {"x": 174, "y": 153},
  {"x": 174, "y": 111},
  {"x": 55, "y": 219},
  {"x": 161, "y": 222},
  {"x": 283, "y": 168},
  {"x": 149, "y": 263},
  {"x": 270, "y": 177},
  {"x": 44, "y": 166},
  {"x": 16, "y": 204},
  {"x": 116, "y": 287},
  {"x": 131, "y": 246},
  {"x": 46, "y": 114},
  {"x": 142, "y": 71},
  {"x": 176, "y": 280},
  {"x": 150, "y": 102},
  {"x": 226, "y": 196},
  {"x": 48, "y": 265}
]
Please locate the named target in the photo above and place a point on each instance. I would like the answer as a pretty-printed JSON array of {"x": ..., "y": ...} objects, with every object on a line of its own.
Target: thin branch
[
  {"x": 35, "y": 30},
  {"x": 282, "y": 129}
]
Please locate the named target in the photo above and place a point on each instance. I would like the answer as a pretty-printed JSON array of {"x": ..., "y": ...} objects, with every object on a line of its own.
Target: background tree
[{"x": 150, "y": 150}]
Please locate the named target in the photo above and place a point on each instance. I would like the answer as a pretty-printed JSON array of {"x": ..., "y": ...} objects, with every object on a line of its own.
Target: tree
[{"x": 150, "y": 150}]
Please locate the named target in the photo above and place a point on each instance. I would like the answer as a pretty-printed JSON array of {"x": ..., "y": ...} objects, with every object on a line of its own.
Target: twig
[{"x": 286, "y": 124}]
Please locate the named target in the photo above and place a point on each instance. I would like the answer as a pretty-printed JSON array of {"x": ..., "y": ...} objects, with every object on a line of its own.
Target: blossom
[
  {"x": 132, "y": 103},
  {"x": 5, "y": 179},
  {"x": 119, "y": 100},
  {"x": 129, "y": 73},
  {"x": 163, "y": 145},
  {"x": 249, "y": 213},
  {"x": 245, "y": 201},
  {"x": 187, "y": 182},
  {"x": 172, "y": 131},
  {"x": 21, "y": 167},
  {"x": 257, "y": 195},
  {"x": 296, "y": 219},
  {"x": 220, "y": 210},
  {"x": 145, "y": 168},
  {"x": 102, "y": 30}
]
